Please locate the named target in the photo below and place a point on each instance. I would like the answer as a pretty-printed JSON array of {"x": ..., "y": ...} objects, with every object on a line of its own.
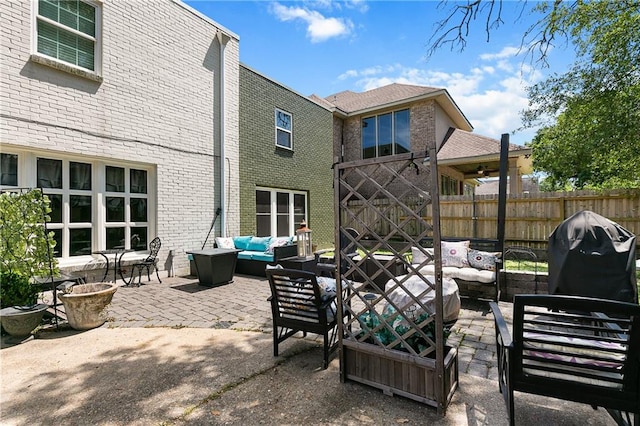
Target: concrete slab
[{"x": 145, "y": 376}]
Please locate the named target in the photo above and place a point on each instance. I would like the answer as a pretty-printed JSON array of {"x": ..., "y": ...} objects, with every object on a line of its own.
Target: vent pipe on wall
[{"x": 223, "y": 39}]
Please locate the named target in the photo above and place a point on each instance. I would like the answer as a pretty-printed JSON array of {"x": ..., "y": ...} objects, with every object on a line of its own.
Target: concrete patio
[{"x": 180, "y": 353}]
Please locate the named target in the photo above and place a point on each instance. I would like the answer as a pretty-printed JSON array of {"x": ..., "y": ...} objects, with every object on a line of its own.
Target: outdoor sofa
[
  {"x": 258, "y": 252},
  {"x": 475, "y": 270}
]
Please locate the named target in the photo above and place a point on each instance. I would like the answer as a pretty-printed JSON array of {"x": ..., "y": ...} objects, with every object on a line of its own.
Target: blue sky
[{"x": 324, "y": 47}]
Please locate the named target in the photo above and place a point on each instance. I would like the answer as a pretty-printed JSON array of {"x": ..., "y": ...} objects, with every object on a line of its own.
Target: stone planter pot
[
  {"x": 21, "y": 322},
  {"x": 85, "y": 304}
]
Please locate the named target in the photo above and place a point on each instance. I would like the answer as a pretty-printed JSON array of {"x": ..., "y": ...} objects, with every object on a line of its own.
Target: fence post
[{"x": 502, "y": 189}]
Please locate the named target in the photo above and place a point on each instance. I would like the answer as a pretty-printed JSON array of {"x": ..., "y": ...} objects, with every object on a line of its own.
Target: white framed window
[
  {"x": 279, "y": 211},
  {"x": 95, "y": 205},
  {"x": 284, "y": 132},
  {"x": 126, "y": 203},
  {"x": 8, "y": 169},
  {"x": 69, "y": 32},
  {"x": 386, "y": 134}
]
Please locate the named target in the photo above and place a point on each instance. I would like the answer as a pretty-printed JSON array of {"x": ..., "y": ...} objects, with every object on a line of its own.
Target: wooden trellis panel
[{"x": 397, "y": 347}]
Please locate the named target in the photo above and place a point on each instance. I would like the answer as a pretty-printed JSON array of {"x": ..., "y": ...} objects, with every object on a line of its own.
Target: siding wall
[
  {"x": 306, "y": 168},
  {"x": 157, "y": 104}
]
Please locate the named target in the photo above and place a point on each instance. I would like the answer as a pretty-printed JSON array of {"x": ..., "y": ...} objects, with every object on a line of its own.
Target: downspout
[{"x": 223, "y": 39}]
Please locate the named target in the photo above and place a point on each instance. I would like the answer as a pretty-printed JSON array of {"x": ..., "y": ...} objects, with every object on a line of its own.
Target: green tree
[{"x": 590, "y": 115}]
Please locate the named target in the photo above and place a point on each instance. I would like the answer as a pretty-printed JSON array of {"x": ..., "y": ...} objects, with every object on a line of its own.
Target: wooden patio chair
[
  {"x": 572, "y": 348},
  {"x": 299, "y": 304}
]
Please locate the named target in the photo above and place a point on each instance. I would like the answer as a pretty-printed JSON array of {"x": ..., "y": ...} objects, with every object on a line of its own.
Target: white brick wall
[{"x": 157, "y": 104}]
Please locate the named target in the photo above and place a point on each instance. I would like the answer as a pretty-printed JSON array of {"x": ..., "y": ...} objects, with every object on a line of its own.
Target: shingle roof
[
  {"x": 349, "y": 101},
  {"x": 321, "y": 101},
  {"x": 462, "y": 144}
]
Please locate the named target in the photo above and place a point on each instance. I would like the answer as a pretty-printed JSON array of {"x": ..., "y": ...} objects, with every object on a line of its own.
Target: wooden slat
[{"x": 529, "y": 221}]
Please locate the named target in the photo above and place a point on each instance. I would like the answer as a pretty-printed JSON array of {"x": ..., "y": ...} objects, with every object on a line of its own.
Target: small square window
[
  {"x": 114, "y": 179},
  {"x": 49, "y": 173},
  {"x": 9, "y": 169},
  {"x": 284, "y": 129}
]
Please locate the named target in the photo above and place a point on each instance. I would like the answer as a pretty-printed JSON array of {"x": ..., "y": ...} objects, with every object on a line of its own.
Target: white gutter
[{"x": 223, "y": 39}]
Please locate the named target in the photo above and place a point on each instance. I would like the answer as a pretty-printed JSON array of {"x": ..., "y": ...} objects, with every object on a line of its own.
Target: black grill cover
[{"x": 591, "y": 256}]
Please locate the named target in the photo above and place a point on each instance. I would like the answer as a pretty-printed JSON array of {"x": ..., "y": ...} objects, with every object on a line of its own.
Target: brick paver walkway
[{"x": 243, "y": 305}]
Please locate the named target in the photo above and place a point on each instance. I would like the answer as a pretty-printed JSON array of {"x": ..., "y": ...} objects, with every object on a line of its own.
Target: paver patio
[{"x": 242, "y": 305}]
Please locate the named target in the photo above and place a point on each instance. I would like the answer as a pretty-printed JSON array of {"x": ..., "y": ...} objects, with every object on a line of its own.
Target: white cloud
[
  {"x": 491, "y": 96},
  {"x": 505, "y": 53},
  {"x": 358, "y": 5},
  {"x": 319, "y": 28}
]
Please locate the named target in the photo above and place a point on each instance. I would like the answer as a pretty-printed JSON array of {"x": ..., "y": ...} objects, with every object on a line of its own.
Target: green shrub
[
  {"x": 17, "y": 290},
  {"x": 26, "y": 250}
]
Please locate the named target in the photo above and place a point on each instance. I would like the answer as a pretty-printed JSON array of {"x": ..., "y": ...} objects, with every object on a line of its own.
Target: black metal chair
[{"x": 148, "y": 263}]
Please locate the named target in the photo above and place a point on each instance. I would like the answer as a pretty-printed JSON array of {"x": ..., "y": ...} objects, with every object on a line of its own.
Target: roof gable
[
  {"x": 349, "y": 101},
  {"x": 392, "y": 95}
]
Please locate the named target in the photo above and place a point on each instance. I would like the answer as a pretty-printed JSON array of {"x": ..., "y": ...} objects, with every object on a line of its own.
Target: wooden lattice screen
[{"x": 394, "y": 344}]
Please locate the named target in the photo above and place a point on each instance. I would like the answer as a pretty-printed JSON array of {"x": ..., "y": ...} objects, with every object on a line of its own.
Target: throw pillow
[
  {"x": 278, "y": 266},
  {"x": 455, "y": 254},
  {"x": 278, "y": 242},
  {"x": 418, "y": 257},
  {"x": 259, "y": 244},
  {"x": 482, "y": 260},
  {"x": 225, "y": 242},
  {"x": 242, "y": 242},
  {"x": 327, "y": 287}
]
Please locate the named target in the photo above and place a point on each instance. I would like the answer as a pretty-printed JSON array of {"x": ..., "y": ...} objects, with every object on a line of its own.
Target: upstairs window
[
  {"x": 283, "y": 130},
  {"x": 69, "y": 31},
  {"x": 386, "y": 134}
]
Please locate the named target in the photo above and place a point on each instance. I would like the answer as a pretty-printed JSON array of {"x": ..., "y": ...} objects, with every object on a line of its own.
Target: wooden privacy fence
[{"x": 530, "y": 218}]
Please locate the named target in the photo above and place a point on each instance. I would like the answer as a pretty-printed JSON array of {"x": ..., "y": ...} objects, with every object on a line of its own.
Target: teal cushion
[
  {"x": 259, "y": 244},
  {"x": 265, "y": 257},
  {"x": 246, "y": 255},
  {"x": 242, "y": 242}
]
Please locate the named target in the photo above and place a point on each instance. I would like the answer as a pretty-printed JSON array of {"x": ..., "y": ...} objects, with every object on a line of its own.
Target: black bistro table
[
  {"x": 117, "y": 258},
  {"x": 215, "y": 266}
]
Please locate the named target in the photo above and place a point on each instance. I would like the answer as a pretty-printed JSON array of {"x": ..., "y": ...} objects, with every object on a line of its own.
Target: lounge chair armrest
[
  {"x": 319, "y": 253},
  {"x": 501, "y": 325},
  {"x": 327, "y": 302}
]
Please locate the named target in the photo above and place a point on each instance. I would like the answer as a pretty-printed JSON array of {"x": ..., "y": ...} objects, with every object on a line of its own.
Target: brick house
[
  {"x": 285, "y": 160},
  {"x": 142, "y": 131},
  {"x": 124, "y": 125},
  {"x": 401, "y": 118}
]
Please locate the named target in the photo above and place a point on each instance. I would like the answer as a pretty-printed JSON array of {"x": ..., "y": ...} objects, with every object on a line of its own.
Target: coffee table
[{"x": 215, "y": 266}]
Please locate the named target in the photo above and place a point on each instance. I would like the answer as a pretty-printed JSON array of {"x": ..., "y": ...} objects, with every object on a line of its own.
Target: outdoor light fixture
[
  {"x": 481, "y": 170},
  {"x": 303, "y": 234}
]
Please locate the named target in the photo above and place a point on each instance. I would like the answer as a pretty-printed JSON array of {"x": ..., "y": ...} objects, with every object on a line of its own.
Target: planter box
[{"x": 400, "y": 373}]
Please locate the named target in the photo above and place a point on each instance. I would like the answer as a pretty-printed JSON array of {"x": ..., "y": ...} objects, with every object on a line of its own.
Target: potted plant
[{"x": 26, "y": 251}]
